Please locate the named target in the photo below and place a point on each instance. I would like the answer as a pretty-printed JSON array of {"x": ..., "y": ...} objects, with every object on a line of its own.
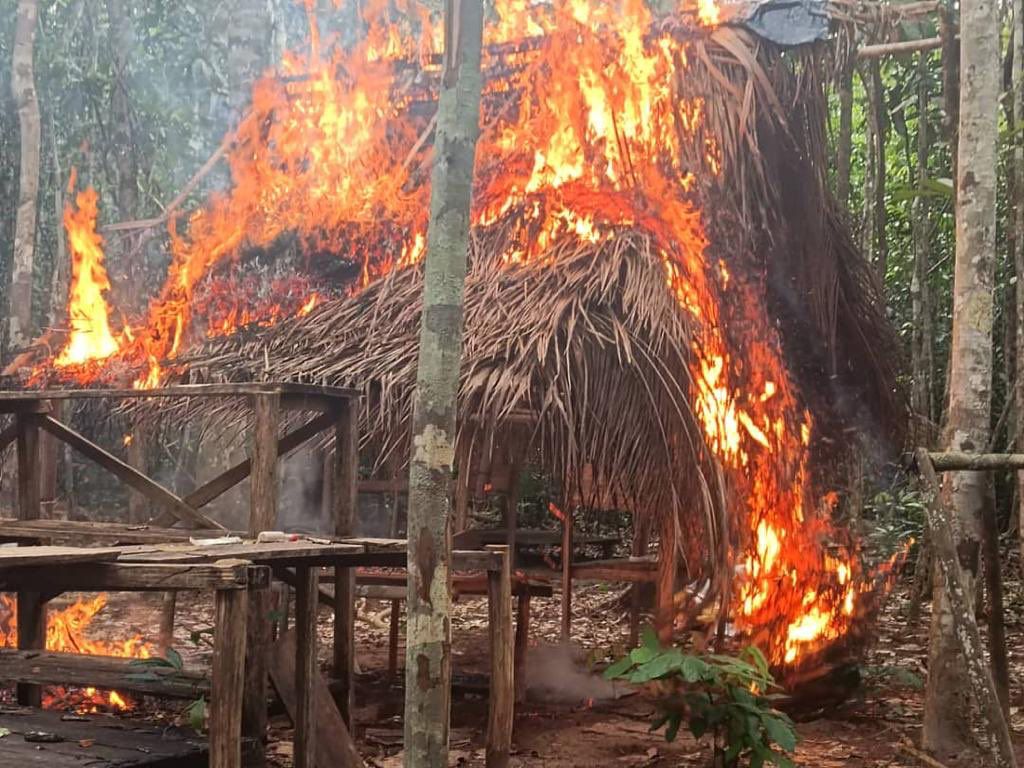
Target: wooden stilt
[
  {"x": 567, "y": 524},
  {"x": 522, "y": 644},
  {"x": 668, "y": 563},
  {"x": 396, "y": 615},
  {"x": 639, "y": 549},
  {"x": 168, "y": 607},
  {"x": 502, "y": 695},
  {"x": 29, "y": 507},
  {"x": 228, "y": 679},
  {"x": 263, "y": 489},
  {"x": 31, "y": 636},
  {"x": 306, "y": 671},
  {"x": 254, "y": 701},
  {"x": 512, "y": 516},
  {"x": 346, "y": 469}
]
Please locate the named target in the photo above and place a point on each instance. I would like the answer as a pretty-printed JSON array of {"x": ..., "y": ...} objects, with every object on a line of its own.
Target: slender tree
[
  {"x": 1018, "y": 242},
  {"x": 24, "y": 90},
  {"x": 922, "y": 345},
  {"x": 946, "y": 718},
  {"x": 428, "y": 644}
]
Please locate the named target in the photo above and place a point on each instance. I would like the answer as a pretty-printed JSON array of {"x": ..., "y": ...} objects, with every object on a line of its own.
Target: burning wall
[{"x": 605, "y": 191}]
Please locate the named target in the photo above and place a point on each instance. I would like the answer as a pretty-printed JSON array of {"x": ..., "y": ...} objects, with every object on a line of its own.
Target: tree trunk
[
  {"x": 922, "y": 347},
  {"x": 1018, "y": 245},
  {"x": 428, "y": 639},
  {"x": 24, "y": 90},
  {"x": 946, "y": 716},
  {"x": 870, "y": 170},
  {"x": 941, "y": 520},
  {"x": 844, "y": 139}
]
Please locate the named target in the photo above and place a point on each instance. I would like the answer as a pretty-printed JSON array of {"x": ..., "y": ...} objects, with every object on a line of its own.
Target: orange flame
[{"x": 66, "y": 632}]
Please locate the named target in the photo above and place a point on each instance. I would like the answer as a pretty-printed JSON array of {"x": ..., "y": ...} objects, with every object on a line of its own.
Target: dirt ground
[{"x": 573, "y": 717}]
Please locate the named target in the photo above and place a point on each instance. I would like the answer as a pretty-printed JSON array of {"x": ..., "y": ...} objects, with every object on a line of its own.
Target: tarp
[{"x": 784, "y": 22}]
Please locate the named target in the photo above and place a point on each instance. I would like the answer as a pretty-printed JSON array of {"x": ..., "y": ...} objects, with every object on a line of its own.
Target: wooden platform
[{"x": 96, "y": 742}]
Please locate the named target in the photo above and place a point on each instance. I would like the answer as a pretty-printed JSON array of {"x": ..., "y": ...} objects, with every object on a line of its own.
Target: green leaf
[
  {"x": 152, "y": 662},
  {"x": 642, "y": 655},
  {"x": 673, "y": 726},
  {"x": 698, "y": 727},
  {"x": 693, "y": 669},
  {"x": 5, "y": 732},
  {"x": 619, "y": 668},
  {"x": 659, "y": 666},
  {"x": 757, "y": 659},
  {"x": 196, "y": 713},
  {"x": 175, "y": 659},
  {"x": 779, "y": 731},
  {"x": 649, "y": 639}
]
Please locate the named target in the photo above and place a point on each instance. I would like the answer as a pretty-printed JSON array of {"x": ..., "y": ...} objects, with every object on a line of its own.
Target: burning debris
[{"x": 606, "y": 269}]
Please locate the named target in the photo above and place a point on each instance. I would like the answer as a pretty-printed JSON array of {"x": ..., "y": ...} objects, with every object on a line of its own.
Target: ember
[{"x": 568, "y": 155}]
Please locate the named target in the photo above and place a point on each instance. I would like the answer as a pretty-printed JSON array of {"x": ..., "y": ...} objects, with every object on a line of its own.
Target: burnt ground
[{"x": 573, "y": 717}]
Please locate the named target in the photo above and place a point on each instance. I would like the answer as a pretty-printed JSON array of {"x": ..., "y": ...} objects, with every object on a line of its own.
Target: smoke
[
  {"x": 554, "y": 674},
  {"x": 300, "y": 507}
]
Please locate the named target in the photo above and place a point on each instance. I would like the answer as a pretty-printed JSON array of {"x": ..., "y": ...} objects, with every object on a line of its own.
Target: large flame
[
  {"x": 66, "y": 632},
  {"x": 90, "y": 337},
  {"x": 335, "y": 152}
]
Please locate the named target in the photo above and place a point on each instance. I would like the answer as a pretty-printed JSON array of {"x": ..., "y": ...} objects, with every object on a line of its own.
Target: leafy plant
[{"x": 723, "y": 696}]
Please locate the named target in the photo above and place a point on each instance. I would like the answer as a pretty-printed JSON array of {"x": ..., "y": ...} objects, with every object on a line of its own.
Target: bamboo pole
[{"x": 898, "y": 49}]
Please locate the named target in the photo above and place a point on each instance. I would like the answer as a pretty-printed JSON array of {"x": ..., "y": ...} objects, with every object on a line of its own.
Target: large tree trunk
[
  {"x": 428, "y": 639},
  {"x": 946, "y": 714},
  {"x": 24, "y": 90},
  {"x": 1018, "y": 244},
  {"x": 922, "y": 346}
]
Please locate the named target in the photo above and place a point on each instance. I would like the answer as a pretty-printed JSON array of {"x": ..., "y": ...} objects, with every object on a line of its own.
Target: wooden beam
[
  {"x": 129, "y": 475},
  {"x": 133, "y": 577},
  {"x": 29, "y": 507},
  {"x": 306, "y": 670},
  {"x": 898, "y": 49},
  {"x": 254, "y": 697},
  {"x": 228, "y": 679},
  {"x": 964, "y": 462},
  {"x": 8, "y": 435},
  {"x": 263, "y": 488},
  {"x": 108, "y": 672},
  {"x": 501, "y": 705},
  {"x": 31, "y": 612},
  {"x": 334, "y": 746},
  {"x": 346, "y": 476},
  {"x": 231, "y": 389}
]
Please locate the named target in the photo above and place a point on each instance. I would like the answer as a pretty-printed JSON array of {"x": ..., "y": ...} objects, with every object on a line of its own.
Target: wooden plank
[
  {"x": 28, "y": 467},
  {"x": 108, "y": 672},
  {"x": 82, "y": 531},
  {"x": 954, "y": 461},
  {"x": 334, "y": 745},
  {"x": 129, "y": 475},
  {"x": 263, "y": 488},
  {"x": 522, "y": 645},
  {"x": 271, "y": 553},
  {"x": 306, "y": 670},
  {"x": 228, "y": 679},
  {"x": 113, "y": 744},
  {"x": 254, "y": 700},
  {"x": 346, "y": 476},
  {"x": 129, "y": 577},
  {"x": 900, "y": 48},
  {"x": 612, "y": 573},
  {"x": 228, "y": 479},
  {"x": 18, "y": 557},
  {"x": 31, "y": 613},
  {"x": 234, "y": 389},
  {"x": 502, "y": 695}
]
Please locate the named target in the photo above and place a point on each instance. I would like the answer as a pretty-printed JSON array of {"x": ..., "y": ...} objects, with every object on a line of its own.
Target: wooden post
[
  {"x": 49, "y": 449},
  {"x": 965, "y": 626},
  {"x": 263, "y": 489},
  {"x": 228, "y": 678},
  {"x": 257, "y": 648},
  {"x": 567, "y": 524},
  {"x": 346, "y": 478},
  {"x": 512, "y": 515},
  {"x": 502, "y": 695},
  {"x": 396, "y": 614},
  {"x": 522, "y": 643},
  {"x": 306, "y": 670},
  {"x": 31, "y": 636},
  {"x": 28, "y": 466},
  {"x": 167, "y": 609},
  {"x": 639, "y": 549},
  {"x": 668, "y": 563}
]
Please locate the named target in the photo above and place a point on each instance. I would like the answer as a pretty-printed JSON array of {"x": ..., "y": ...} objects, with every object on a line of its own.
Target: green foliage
[
  {"x": 714, "y": 694},
  {"x": 896, "y": 513}
]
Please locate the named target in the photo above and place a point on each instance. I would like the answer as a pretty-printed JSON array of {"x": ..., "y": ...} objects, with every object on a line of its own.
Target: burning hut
[{"x": 663, "y": 297}]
